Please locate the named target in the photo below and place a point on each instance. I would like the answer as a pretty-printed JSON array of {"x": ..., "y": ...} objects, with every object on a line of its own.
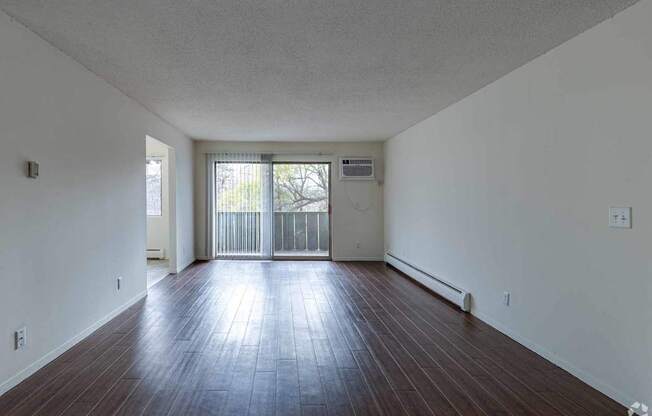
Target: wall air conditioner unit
[
  {"x": 356, "y": 168},
  {"x": 155, "y": 253}
]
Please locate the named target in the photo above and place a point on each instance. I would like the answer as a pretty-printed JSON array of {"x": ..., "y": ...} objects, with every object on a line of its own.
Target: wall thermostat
[
  {"x": 620, "y": 217},
  {"x": 32, "y": 169}
]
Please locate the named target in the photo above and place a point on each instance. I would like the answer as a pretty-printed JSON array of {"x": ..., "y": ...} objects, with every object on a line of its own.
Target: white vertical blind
[
  {"x": 240, "y": 203},
  {"x": 211, "y": 251}
]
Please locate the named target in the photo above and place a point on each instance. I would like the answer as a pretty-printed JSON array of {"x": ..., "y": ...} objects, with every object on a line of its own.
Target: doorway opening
[{"x": 159, "y": 184}]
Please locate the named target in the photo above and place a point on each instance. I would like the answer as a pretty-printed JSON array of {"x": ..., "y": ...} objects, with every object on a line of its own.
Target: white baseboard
[
  {"x": 587, "y": 378},
  {"x": 358, "y": 258},
  {"x": 155, "y": 282},
  {"x": 188, "y": 263},
  {"x": 47, "y": 358}
]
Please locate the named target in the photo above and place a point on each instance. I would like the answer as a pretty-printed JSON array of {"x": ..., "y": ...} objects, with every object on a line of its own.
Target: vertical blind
[{"x": 239, "y": 205}]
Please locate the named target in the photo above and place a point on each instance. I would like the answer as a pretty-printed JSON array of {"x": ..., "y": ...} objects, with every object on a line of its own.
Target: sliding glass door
[
  {"x": 301, "y": 210},
  {"x": 242, "y": 207},
  {"x": 262, "y": 209}
]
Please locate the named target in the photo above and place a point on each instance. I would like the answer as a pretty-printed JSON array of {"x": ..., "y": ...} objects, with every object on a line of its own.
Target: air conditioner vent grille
[
  {"x": 357, "y": 161},
  {"x": 356, "y": 170}
]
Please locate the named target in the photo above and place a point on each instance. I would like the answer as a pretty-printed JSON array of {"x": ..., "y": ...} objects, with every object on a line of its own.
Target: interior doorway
[{"x": 159, "y": 183}]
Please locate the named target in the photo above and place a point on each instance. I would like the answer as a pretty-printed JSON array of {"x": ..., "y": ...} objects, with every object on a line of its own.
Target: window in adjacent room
[{"x": 154, "y": 187}]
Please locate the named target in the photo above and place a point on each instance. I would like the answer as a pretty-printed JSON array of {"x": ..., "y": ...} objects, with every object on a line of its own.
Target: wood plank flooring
[{"x": 299, "y": 338}]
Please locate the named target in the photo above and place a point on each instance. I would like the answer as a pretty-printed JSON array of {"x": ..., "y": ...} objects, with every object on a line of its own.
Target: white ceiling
[{"x": 304, "y": 69}]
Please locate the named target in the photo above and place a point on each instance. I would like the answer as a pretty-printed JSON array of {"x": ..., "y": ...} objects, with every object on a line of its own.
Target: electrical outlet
[
  {"x": 20, "y": 338},
  {"x": 506, "y": 298},
  {"x": 357, "y": 244},
  {"x": 119, "y": 282}
]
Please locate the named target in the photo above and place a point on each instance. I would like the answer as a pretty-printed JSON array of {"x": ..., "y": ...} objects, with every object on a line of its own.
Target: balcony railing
[
  {"x": 295, "y": 233},
  {"x": 301, "y": 233}
]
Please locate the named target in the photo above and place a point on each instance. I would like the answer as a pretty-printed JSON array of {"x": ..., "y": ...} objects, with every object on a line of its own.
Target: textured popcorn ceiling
[{"x": 304, "y": 69}]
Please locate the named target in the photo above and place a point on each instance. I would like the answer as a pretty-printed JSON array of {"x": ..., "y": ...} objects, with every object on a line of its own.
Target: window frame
[{"x": 160, "y": 160}]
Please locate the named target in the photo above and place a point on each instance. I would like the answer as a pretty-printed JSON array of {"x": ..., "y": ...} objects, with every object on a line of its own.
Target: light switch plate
[{"x": 620, "y": 217}]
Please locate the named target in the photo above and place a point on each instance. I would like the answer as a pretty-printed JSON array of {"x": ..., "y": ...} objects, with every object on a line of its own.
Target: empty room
[{"x": 367, "y": 207}]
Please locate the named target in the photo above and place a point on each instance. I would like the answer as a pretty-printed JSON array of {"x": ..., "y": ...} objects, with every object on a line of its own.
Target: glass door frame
[
  {"x": 241, "y": 256},
  {"x": 330, "y": 211}
]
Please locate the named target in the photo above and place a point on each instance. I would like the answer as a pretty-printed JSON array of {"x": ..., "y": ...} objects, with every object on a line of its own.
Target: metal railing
[{"x": 295, "y": 233}]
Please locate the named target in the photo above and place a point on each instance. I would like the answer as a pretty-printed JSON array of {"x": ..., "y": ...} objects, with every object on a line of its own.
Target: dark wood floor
[{"x": 290, "y": 338}]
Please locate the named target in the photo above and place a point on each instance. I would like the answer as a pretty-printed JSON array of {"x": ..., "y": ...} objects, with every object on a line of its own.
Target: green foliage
[
  {"x": 297, "y": 187},
  {"x": 238, "y": 187},
  {"x": 301, "y": 187}
]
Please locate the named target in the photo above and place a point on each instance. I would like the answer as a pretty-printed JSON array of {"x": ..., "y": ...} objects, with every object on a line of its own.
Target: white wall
[
  {"x": 509, "y": 189},
  {"x": 158, "y": 227},
  {"x": 66, "y": 236},
  {"x": 349, "y": 225}
]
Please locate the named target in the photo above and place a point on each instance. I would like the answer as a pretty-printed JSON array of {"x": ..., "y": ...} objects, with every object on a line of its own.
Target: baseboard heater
[
  {"x": 448, "y": 291},
  {"x": 155, "y": 253}
]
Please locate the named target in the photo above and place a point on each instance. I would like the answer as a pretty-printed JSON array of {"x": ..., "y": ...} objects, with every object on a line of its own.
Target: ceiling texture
[{"x": 283, "y": 70}]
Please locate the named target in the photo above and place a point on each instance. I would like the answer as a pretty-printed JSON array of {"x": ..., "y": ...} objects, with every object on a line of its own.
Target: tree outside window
[
  {"x": 301, "y": 187},
  {"x": 298, "y": 187},
  {"x": 154, "y": 187}
]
